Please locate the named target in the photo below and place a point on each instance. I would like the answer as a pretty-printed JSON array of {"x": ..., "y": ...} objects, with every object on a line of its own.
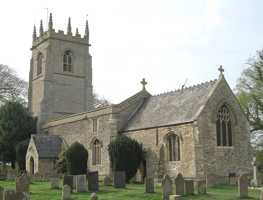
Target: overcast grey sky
[{"x": 165, "y": 41}]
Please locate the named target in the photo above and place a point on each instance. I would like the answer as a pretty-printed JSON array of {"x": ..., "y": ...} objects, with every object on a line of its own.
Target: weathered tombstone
[
  {"x": 14, "y": 195},
  {"x": 54, "y": 183},
  {"x": 149, "y": 185},
  {"x": 167, "y": 186},
  {"x": 211, "y": 180},
  {"x": 189, "y": 187},
  {"x": 261, "y": 194},
  {"x": 107, "y": 181},
  {"x": 1, "y": 193},
  {"x": 22, "y": 183},
  {"x": 93, "y": 181},
  {"x": 68, "y": 180},
  {"x": 200, "y": 186},
  {"x": 81, "y": 183},
  {"x": 179, "y": 184},
  {"x": 66, "y": 192},
  {"x": 93, "y": 196},
  {"x": 174, "y": 197},
  {"x": 243, "y": 186},
  {"x": 119, "y": 179}
]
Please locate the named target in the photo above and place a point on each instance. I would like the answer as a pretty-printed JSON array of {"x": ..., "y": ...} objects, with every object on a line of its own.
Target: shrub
[
  {"x": 126, "y": 154},
  {"x": 76, "y": 159},
  {"x": 61, "y": 163}
]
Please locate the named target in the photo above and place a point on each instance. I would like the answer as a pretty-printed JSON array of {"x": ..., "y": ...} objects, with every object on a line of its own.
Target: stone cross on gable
[
  {"x": 221, "y": 69},
  {"x": 144, "y": 83}
]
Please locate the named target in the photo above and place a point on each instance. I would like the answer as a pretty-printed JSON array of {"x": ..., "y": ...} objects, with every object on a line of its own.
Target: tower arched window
[
  {"x": 67, "y": 61},
  {"x": 223, "y": 127},
  {"x": 173, "y": 145},
  {"x": 39, "y": 63},
  {"x": 96, "y": 152}
]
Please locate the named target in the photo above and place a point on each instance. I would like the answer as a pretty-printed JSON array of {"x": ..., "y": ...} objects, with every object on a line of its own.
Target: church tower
[{"x": 60, "y": 78}]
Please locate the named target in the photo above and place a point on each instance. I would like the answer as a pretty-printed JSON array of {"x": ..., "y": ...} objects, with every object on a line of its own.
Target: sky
[{"x": 167, "y": 42}]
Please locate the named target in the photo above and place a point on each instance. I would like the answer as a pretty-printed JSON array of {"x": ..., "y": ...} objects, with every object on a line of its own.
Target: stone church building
[{"x": 196, "y": 131}]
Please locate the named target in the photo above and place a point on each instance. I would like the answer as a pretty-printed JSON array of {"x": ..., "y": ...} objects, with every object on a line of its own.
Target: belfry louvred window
[
  {"x": 223, "y": 127},
  {"x": 67, "y": 61}
]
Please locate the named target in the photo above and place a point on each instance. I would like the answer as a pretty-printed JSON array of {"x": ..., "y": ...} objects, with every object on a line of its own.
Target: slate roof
[
  {"x": 48, "y": 146},
  {"x": 170, "y": 108}
]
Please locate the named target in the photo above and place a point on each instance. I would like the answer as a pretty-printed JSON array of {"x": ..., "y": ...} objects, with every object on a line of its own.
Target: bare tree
[
  {"x": 11, "y": 86},
  {"x": 100, "y": 101}
]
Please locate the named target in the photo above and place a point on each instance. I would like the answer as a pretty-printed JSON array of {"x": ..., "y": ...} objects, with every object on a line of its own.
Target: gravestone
[
  {"x": 107, "y": 181},
  {"x": 261, "y": 194},
  {"x": 14, "y": 195},
  {"x": 189, "y": 187},
  {"x": 81, "y": 183},
  {"x": 174, "y": 197},
  {"x": 93, "y": 181},
  {"x": 243, "y": 186},
  {"x": 149, "y": 185},
  {"x": 167, "y": 186},
  {"x": 66, "y": 192},
  {"x": 1, "y": 193},
  {"x": 179, "y": 184},
  {"x": 119, "y": 179},
  {"x": 200, "y": 186},
  {"x": 54, "y": 183},
  {"x": 68, "y": 180},
  {"x": 22, "y": 183},
  {"x": 93, "y": 196}
]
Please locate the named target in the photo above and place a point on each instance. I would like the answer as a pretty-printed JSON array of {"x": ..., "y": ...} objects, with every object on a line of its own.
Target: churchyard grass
[{"x": 42, "y": 191}]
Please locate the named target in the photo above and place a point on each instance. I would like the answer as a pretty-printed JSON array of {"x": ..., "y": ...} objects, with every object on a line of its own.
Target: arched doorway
[{"x": 32, "y": 166}]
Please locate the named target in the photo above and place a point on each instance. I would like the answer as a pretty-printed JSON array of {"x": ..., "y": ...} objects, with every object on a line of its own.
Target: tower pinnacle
[
  {"x": 69, "y": 27},
  {"x": 86, "y": 35},
  {"x": 41, "y": 31},
  {"x": 50, "y": 22},
  {"x": 34, "y": 33}
]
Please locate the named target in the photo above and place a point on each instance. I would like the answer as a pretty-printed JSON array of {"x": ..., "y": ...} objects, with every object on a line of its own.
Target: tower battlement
[{"x": 51, "y": 33}]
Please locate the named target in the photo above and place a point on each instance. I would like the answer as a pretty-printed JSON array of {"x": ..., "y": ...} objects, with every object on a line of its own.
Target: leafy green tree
[
  {"x": 21, "y": 150},
  {"x": 250, "y": 92},
  {"x": 61, "y": 163},
  {"x": 76, "y": 159},
  {"x": 126, "y": 154},
  {"x": 16, "y": 125}
]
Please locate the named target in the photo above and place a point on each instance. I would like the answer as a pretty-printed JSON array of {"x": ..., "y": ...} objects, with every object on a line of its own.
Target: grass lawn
[{"x": 42, "y": 191}]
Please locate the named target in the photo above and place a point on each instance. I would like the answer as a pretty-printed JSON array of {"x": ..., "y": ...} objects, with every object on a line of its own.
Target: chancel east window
[
  {"x": 173, "y": 144},
  {"x": 67, "y": 61},
  {"x": 223, "y": 127},
  {"x": 96, "y": 152},
  {"x": 39, "y": 63}
]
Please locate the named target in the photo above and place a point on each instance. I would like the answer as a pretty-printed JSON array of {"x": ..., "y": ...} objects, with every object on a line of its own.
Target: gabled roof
[
  {"x": 48, "y": 146},
  {"x": 180, "y": 106}
]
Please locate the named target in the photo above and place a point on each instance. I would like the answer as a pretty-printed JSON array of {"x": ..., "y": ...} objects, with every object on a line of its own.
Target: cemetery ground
[{"x": 42, "y": 191}]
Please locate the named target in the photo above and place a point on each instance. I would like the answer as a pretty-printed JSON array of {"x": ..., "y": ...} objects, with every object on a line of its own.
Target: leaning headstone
[
  {"x": 93, "y": 196},
  {"x": 68, "y": 180},
  {"x": 66, "y": 192},
  {"x": 200, "y": 186},
  {"x": 14, "y": 195},
  {"x": 1, "y": 193},
  {"x": 22, "y": 183},
  {"x": 119, "y": 179},
  {"x": 81, "y": 183},
  {"x": 107, "y": 181},
  {"x": 54, "y": 183},
  {"x": 189, "y": 187},
  {"x": 167, "y": 186},
  {"x": 93, "y": 181},
  {"x": 243, "y": 186},
  {"x": 179, "y": 184},
  {"x": 149, "y": 185}
]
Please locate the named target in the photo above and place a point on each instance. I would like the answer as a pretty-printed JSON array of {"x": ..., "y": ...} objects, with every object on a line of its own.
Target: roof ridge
[{"x": 199, "y": 85}]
